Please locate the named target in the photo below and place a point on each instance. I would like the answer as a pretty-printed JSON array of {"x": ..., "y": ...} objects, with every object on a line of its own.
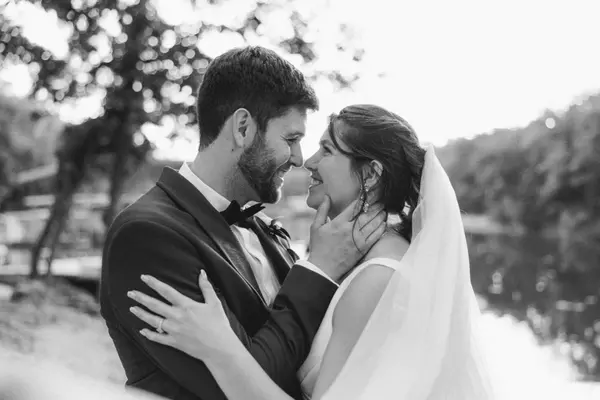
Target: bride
[{"x": 404, "y": 323}]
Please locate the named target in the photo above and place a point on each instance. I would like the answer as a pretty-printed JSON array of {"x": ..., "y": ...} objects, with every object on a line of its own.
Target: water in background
[{"x": 524, "y": 369}]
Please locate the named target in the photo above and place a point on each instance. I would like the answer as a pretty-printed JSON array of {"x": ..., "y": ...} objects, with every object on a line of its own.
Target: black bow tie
[{"x": 234, "y": 213}]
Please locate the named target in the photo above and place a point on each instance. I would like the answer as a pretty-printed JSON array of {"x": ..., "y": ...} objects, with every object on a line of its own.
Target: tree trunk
[
  {"x": 57, "y": 230},
  {"x": 5, "y": 195},
  {"x": 58, "y": 215},
  {"x": 36, "y": 251},
  {"x": 118, "y": 176}
]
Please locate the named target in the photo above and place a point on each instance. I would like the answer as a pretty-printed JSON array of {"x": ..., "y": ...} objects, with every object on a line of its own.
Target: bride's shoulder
[
  {"x": 366, "y": 285},
  {"x": 391, "y": 245},
  {"x": 361, "y": 293}
]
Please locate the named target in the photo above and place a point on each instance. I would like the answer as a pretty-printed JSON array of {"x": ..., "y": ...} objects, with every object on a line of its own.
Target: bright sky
[
  {"x": 460, "y": 67},
  {"x": 452, "y": 68}
]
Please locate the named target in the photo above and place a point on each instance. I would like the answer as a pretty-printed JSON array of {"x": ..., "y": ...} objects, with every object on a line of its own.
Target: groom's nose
[{"x": 296, "y": 158}]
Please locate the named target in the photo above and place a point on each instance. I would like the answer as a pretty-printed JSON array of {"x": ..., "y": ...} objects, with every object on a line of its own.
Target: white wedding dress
[
  {"x": 309, "y": 371},
  {"x": 423, "y": 340}
]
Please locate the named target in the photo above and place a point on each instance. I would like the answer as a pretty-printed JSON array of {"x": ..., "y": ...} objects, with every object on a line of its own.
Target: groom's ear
[{"x": 243, "y": 127}]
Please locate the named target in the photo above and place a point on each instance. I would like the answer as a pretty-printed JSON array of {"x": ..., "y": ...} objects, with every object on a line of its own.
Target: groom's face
[{"x": 272, "y": 154}]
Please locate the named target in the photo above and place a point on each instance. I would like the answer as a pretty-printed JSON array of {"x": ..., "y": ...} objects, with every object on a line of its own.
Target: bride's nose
[{"x": 311, "y": 163}]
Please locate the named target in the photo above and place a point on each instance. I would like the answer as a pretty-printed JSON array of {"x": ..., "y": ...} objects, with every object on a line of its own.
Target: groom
[{"x": 252, "y": 108}]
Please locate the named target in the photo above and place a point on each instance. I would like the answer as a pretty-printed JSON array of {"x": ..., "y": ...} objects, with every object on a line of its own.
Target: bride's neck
[{"x": 388, "y": 246}]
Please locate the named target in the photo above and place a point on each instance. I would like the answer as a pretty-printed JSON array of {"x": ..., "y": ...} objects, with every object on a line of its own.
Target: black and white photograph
[{"x": 299, "y": 200}]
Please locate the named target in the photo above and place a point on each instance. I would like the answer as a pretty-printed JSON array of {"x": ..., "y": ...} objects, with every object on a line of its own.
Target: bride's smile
[{"x": 332, "y": 175}]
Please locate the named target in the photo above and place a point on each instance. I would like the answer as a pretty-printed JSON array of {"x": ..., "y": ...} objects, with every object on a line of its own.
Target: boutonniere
[{"x": 276, "y": 229}]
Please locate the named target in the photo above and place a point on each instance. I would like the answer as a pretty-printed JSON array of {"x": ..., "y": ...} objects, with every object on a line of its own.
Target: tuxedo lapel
[
  {"x": 186, "y": 196},
  {"x": 280, "y": 259}
]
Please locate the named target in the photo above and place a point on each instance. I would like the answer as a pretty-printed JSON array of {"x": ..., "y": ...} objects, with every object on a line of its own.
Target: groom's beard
[{"x": 259, "y": 166}]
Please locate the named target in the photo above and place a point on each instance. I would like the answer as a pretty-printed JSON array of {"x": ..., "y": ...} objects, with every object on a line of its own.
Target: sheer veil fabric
[{"x": 422, "y": 340}]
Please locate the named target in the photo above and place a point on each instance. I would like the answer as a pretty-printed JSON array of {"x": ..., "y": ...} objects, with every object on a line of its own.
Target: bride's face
[{"x": 332, "y": 175}]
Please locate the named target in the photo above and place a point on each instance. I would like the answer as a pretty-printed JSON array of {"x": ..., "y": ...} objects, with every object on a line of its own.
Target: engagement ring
[{"x": 159, "y": 328}]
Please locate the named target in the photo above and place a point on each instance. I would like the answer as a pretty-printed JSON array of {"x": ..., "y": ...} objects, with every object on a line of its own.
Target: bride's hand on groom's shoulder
[
  {"x": 337, "y": 245},
  {"x": 201, "y": 330}
]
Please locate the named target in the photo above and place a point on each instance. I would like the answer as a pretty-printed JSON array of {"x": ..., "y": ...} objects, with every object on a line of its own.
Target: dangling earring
[{"x": 365, "y": 195}]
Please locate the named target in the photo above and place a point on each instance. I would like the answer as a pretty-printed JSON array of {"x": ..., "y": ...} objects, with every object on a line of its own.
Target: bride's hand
[{"x": 201, "y": 330}]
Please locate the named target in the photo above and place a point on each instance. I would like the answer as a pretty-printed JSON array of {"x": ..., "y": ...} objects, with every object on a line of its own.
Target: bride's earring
[{"x": 365, "y": 195}]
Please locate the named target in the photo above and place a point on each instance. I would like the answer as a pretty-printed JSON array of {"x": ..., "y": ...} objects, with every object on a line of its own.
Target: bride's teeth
[{"x": 313, "y": 181}]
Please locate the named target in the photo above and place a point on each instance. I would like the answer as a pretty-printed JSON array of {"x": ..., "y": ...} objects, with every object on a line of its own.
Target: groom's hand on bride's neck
[{"x": 336, "y": 246}]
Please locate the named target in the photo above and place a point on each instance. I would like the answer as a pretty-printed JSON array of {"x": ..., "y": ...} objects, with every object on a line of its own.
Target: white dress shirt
[{"x": 263, "y": 271}]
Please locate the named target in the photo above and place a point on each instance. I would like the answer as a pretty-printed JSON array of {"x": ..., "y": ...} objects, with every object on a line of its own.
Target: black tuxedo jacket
[{"x": 172, "y": 233}]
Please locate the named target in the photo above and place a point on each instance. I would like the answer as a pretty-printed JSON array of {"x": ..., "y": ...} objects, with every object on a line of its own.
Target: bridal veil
[{"x": 422, "y": 340}]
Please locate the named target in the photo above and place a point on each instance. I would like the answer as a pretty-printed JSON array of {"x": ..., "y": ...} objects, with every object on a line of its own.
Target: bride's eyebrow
[{"x": 326, "y": 142}]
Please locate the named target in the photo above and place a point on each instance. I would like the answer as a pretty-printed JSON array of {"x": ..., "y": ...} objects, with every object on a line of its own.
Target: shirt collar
[{"x": 219, "y": 202}]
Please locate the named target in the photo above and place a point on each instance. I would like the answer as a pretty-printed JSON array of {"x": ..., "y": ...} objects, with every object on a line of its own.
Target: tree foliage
[
  {"x": 544, "y": 181},
  {"x": 146, "y": 69},
  {"x": 28, "y": 138}
]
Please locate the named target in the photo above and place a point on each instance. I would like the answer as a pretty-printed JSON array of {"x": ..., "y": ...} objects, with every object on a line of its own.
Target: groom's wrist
[{"x": 312, "y": 267}]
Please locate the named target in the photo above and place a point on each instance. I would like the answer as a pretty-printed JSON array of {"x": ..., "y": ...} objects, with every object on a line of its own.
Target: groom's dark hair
[{"x": 253, "y": 78}]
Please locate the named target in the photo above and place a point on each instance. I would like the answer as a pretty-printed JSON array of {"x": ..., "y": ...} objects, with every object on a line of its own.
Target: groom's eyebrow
[{"x": 296, "y": 134}]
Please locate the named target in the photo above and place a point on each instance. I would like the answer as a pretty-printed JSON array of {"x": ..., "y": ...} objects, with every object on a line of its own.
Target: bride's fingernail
[
  {"x": 145, "y": 278},
  {"x": 203, "y": 274}
]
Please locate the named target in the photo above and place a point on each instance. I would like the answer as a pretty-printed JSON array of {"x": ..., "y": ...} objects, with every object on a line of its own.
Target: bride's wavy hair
[{"x": 372, "y": 133}]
